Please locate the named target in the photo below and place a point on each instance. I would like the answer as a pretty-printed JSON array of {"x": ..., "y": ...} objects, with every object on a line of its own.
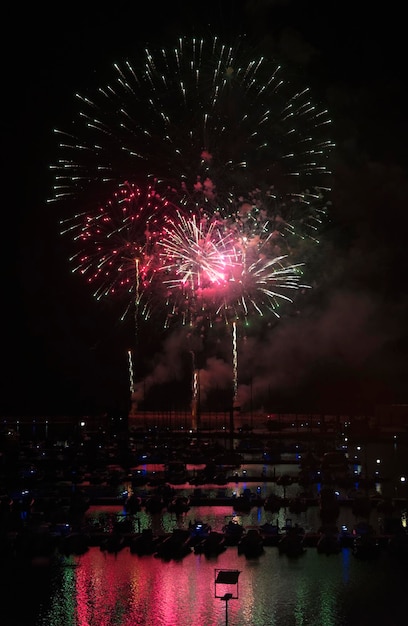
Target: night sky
[{"x": 345, "y": 350}]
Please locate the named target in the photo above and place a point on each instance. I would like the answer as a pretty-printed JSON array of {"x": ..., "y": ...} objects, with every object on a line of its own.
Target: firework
[
  {"x": 116, "y": 245},
  {"x": 212, "y": 122},
  {"x": 213, "y": 271},
  {"x": 239, "y": 156},
  {"x": 195, "y": 263}
]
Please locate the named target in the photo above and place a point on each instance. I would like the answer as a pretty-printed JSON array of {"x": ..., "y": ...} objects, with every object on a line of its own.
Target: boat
[
  {"x": 298, "y": 504},
  {"x": 155, "y": 503},
  {"x": 270, "y": 533},
  {"x": 124, "y": 523},
  {"x": 309, "y": 471},
  {"x": 133, "y": 504},
  {"x": 362, "y": 528},
  {"x": 175, "y": 473},
  {"x": 291, "y": 542},
  {"x": 329, "y": 507},
  {"x": 346, "y": 537},
  {"x": 289, "y": 526},
  {"x": 175, "y": 546},
  {"x": 233, "y": 531},
  {"x": 307, "y": 477},
  {"x": 74, "y": 543},
  {"x": 199, "y": 530},
  {"x": 179, "y": 505},
  {"x": 115, "y": 474},
  {"x": 211, "y": 545},
  {"x": 221, "y": 478},
  {"x": 22, "y": 503},
  {"x": 334, "y": 467},
  {"x": 386, "y": 506},
  {"x": 145, "y": 542},
  {"x": 138, "y": 477},
  {"x": 291, "y": 545},
  {"x": 273, "y": 503},
  {"x": 113, "y": 543},
  {"x": 329, "y": 541},
  {"x": 365, "y": 547},
  {"x": 284, "y": 481},
  {"x": 251, "y": 544},
  {"x": 242, "y": 504}
]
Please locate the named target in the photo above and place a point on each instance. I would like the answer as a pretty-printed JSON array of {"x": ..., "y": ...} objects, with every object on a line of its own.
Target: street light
[
  {"x": 226, "y": 577},
  {"x": 226, "y": 597}
]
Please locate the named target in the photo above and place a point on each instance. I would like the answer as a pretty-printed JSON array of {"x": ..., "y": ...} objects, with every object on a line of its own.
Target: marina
[
  {"x": 97, "y": 524},
  {"x": 341, "y": 486}
]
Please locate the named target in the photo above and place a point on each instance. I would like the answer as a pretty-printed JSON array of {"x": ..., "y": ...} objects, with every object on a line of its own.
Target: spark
[
  {"x": 239, "y": 156},
  {"x": 116, "y": 245}
]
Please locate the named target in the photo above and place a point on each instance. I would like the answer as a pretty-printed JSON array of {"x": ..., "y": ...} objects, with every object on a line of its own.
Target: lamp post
[
  {"x": 226, "y": 578},
  {"x": 226, "y": 597}
]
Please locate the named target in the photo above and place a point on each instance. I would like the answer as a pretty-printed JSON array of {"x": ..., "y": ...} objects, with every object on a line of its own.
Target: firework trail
[{"x": 234, "y": 363}]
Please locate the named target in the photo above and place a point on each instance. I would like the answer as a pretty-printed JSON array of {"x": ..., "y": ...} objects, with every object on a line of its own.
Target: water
[{"x": 102, "y": 589}]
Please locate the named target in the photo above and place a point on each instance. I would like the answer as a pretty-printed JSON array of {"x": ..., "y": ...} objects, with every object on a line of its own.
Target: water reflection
[{"x": 99, "y": 589}]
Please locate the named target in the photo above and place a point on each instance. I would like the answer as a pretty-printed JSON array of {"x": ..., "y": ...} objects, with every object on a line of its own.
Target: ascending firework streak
[
  {"x": 133, "y": 406},
  {"x": 234, "y": 364},
  {"x": 195, "y": 394}
]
